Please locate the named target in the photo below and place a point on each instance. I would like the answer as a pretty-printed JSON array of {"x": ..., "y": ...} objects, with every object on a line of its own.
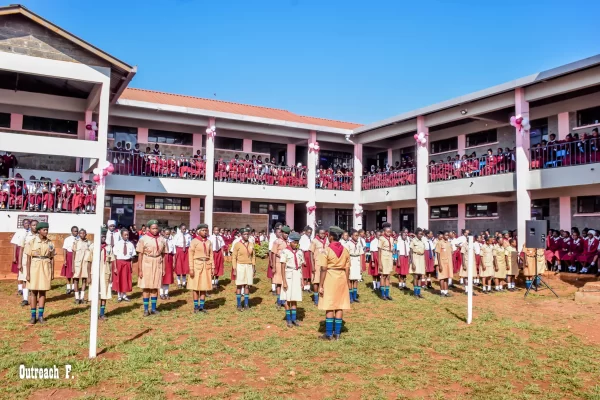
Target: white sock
[
  {"x": 76, "y": 295},
  {"x": 81, "y": 294},
  {"x": 178, "y": 280},
  {"x": 20, "y": 286},
  {"x": 273, "y": 287},
  {"x": 160, "y": 291},
  {"x": 461, "y": 281},
  {"x": 185, "y": 279},
  {"x": 489, "y": 288},
  {"x": 25, "y": 293}
]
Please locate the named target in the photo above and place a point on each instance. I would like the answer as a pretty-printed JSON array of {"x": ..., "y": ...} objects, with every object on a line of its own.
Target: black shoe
[
  {"x": 146, "y": 313},
  {"x": 448, "y": 295},
  {"x": 155, "y": 312},
  {"x": 102, "y": 318},
  {"x": 41, "y": 320},
  {"x": 420, "y": 296},
  {"x": 32, "y": 321},
  {"x": 196, "y": 310},
  {"x": 247, "y": 308},
  {"x": 336, "y": 336},
  {"x": 289, "y": 324},
  {"x": 296, "y": 323},
  {"x": 24, "y": 303},
  {"x": 203, "y": 311},
  {"x": 356, "y": 301},
  {"x": 325, "y": 337},
  {"x": 389, "y": 298},
  {"x": 240, "y": 308}
]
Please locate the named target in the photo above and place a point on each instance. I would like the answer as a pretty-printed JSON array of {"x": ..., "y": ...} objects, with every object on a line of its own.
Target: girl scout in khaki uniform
[
  {"x": 243, "y": 262},
  {"x": 82, "y": 250},
  {"x": 512, "y": 263},
  {"x": 386, "y": 260},
  {"x": 40, "y": 270},
  {"x": 443, "y": 250},
  {"x": 500, "y": 264},
  {"x": 417, "y": 261},
  {"x": 201, "y": 264},
  {"x": 27, "y": 238},
  {"x": 530, "y": 258},
  {"x": 487, "y": 265},
  {"x": 292, "y": 260},
  {"x": 106, "y": 259},
  {"x": 334, "y": 285},
  {"x": 317, "y": 251},
  {"x": 151, "y": 250}
]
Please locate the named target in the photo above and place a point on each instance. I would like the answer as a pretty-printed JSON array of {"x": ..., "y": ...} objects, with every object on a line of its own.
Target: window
[
  {"x": 481, "y": 138},
  {"x": 168, "y": 203},
  {"x": 540, "y": 209},
  {"x": 482, "y": 210},
  {"x": 438, "y": 212},
  {"x": 118, "y": 200},
  {"x": 588, "y": 116},
  {"x": 343, "y": 218},
  {"x": 441, "y": 146},
  {"x": 588, "y": 204},
  {"x": 230, "y": 206},
  {"x": 123, "y": 134},
  {"x": 49, "y": 125},
  {"x": 225, "y": 143},
  {"x": 4, "y": 120},
  {"x": 539, "y": 131},
  {"x": 168, "y": 137},
  {"x": 266, "y": 208},
  {"x": 336, "y": 159}
]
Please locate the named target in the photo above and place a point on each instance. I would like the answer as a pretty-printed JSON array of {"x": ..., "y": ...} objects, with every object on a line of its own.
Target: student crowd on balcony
[
  {"x": 400, "y": 174},
  {"x": 334, "y": 178},
  {"x": 46, "y": 195},
  {"x": 253, "y": 170},
  {"x": 573, "y": 150},
  {"x": 464, "y": 166}
]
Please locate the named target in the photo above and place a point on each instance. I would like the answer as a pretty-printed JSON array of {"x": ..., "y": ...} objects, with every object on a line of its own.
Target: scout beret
[
  {"x": 294, "y": 237},
  {"x": 42, "y": 225},
  {"x": 386, "y": 225},
  {"x": 244, "y": 230},
  {"x": 151, "y": 222},
  {"x": 336, "y": 230},
  {"x": 504, "y": 232},
  {"x": 202, "y": 226},
  {"x": 103, "y": 231},
  {"x": 286, "y": 229}
]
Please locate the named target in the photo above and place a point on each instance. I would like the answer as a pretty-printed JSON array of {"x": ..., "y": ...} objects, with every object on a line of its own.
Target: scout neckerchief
[
  {"x": 246, "y": 246},
  {"x": 203, "y": 241},
  {"x": 337, "y": 248},
  {"x": 155, "y": 239},
  {"x": 405, "y": 248},
  {"x": 295, "y": 258},
  {"x": 386, "y": 237},
  {"x": 103, "y": 247},
  {"x": 321, "y": 241}
]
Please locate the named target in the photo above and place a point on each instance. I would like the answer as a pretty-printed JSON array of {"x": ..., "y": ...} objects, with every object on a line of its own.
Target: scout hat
[
  {"x": 336, "y": 230},
  {"x": 294, "y": 237},
  {"x": 202, "y": 226},
  {"x": 286, "y": 229},
  {"x": 42, "y": 225},
  {"x": 151, "y": 222},
  {"x": 103, "y": 231}
]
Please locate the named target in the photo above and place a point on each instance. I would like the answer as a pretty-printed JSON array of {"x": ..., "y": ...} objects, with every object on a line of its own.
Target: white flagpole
[
  {"x": 471, "y": 260},
  {"x": 95, "y": 287}
]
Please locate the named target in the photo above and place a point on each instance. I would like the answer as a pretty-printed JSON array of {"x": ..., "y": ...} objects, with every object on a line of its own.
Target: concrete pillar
[
  {"x": 358, "y": 171},
  {"x": 210, "y": 177},
  {"x": 139, "y": 203},
  {"x": 312, "y": 160},
  {"x": 563, "y": 126},
  {"x": 462, "y": 214},
  {"x": 197, "y": 143},
  {"x": 390, "y": 156},
  {"x": 245, "y": 206},
  {"x": 247, "y": 146},
  {"x": 462, "y": 144},
  {"x": 142, "y": 135},
  {"x": 194, "y": 212},
  {"x": 565, "y": 213},
  {"x": 290, "y": 157},
  {"x": 422, "y": 211},
  {"x": 388, "y": 213},
  {"x": 16, "y": 122},
  {"x": 289, "y": 215},
  {"x": 522, "y": 172}
]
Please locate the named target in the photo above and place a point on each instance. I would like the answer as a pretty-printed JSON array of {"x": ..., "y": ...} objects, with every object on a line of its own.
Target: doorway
[
  {"x": 121, "y": 209},
  {"x": 380, "y": 218},
  {"x": 407, "y": 219}
]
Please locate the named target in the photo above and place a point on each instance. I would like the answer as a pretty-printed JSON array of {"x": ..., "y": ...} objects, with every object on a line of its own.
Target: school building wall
[
  {"x": 582, "y": 220},
  {"x": 507, "y": 219},
  {"x": 223, "y": 220},
  {"x": 325, "y": 217}
]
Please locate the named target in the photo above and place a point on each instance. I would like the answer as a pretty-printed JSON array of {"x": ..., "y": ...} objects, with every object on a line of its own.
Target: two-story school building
[{"x": 66, "y": 104}]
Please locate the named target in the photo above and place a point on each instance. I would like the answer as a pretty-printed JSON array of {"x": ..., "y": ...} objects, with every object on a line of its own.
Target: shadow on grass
[
  {"x": 459, "y": 317},
  {"x": 67, "y": 313},
  {"x": 214, "y": 304},
  {"x": 172, "y": 305},
  {"x": 131, "y": 339},
  {"x": 122, "y": 310},
  {"x": 60, "y": 297},
  {"x": 255, "y": 301}
]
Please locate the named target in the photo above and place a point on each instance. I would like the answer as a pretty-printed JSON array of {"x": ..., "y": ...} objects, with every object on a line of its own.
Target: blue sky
[{"x": 358, "y": 61}]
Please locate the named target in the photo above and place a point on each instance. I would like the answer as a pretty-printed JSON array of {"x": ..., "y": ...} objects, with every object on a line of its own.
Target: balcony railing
[
  {"x": 389, "y": 179},
  {"x": 138, "y": 164},
  {"x": 17, "y": 194},
  {"x": 471, "y": 167},
  {"x": 260, "y": 174},
  {"x": 565, "y": 154},
  {"x": 335, "y": 182}
]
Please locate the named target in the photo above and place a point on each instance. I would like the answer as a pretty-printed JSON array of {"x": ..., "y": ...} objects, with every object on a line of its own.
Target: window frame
[
  {"x": 154, "y": 136},
  {"x": 437, "y": 142},
  {"x": 227, "y": 206},
  {"x": 32, "y": 119},
  {"x": 578, "y": 116},
  {"x": 596, "y": 206},
  {"x": 452, "y": 212},
  {"x": 219, "y": 141},
  {"x": 168, "y": 203},
  {"x": 343, "y": 218},
  {"x": 488, "y": 213},
  {"x": 7, "y": 117},
  {"x": 487, "y": 132},
  {"x": 544, "y": 206}
]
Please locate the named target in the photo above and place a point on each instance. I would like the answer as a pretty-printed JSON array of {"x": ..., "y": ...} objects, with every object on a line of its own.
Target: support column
[
  {"x": 388, "y": 214},
  {"x": 245, "y": 206},
  {"x": 565, "y": 213},
  {"x": 390, "y": 156},
  {"x": 210, "y": 177},
  {"x": 290, "y": 156},
  {"x": 311, "y": 181},
  {"x": 358, "y": 171},
  {"x": 194, "y": 212},
  {"x": 462, "y": 144},
  {"x": 563, "y": 126},
  {"x": 197, "y": 143},
  {"x": 247, "y": 146},
  {"x": 139, "y": 203},
  {"x": 462, "y": 214},
  {"x": 289, "y": 216},
  {"x": 16, "y": 122},
  {"x": 422, "y": 161},
  {"x": 522, "y": 172},
  {"x": 142, "y": 136}
]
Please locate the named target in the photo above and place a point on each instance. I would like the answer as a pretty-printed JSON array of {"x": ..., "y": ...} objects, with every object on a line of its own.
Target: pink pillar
[
  {"x": 522, "y": 156},
  {"x": 390, "y": 157},
  {"x": 312, "y": 163},
  {"x": 81, "y": 130},
  {"x": 16, "y": 122},
  {"x": 291, "y": 154},
  {"x": 563, "y": 126},
  {"x": 389, "y": 214},
  {"x": 197, "y": 142},
  {"x": 245, "y": 206},
  {"x": 139, "y": 203},
  {"x": 422, "y": 159},
  {"x": 289, "y": 215},
  {"x": 194, "y": 212},
  {"x": 565, "y": 213},
  {"x": 358, "y": 171},
  {"x": 247, "y": 146},
  {"x": 142, "y": 136},
  {"x": 462, "y": 144},
  {"x": 462, "y": 213}
]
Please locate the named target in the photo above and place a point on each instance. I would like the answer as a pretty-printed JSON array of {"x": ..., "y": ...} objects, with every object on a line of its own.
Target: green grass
[{"x": 400, "y": 349}]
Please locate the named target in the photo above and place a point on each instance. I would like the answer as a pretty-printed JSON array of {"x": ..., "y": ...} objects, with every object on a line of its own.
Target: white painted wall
[
  {"x": 472, "y": 186},
  {"x": 564, "y": 177},
  {"x": 335, "y": 196},
  {"x": 149, "y": 185},
  {"x": 260, "y": 192},
  {"x": 387, "y": 195}
]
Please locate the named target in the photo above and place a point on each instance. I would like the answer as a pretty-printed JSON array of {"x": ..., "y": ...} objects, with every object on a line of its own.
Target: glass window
[
  {"x": 343, "y": 218},
  {"x": 168, "y": 137},
  {"x": 481, "y": 138},
  {"x": 539, "y": 131},
  {"x": 54, "y": 125},
  {"x": 225, "y": 143},
  {"x": 259, "y": 208},
  {"x": 4, "y": 120},
  {"x": 444, "y": 145},
  {"x": 230, "y": 206},
  {"x": 450, "y": 211},
  {"x": 588, "y": 116},
  {"x": 588, "y": 204},
  {"x": 540, "y": 209},
  {"x": 168, "y": 203},
  {"x": 482, "y": 210},
  {"x": 336, "y": 159},
  {"x": 123, "y": 134}
]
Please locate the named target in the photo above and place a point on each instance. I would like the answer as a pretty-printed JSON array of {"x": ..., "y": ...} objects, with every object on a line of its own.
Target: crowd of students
[
  {"x": 471, "y": 166},
  {"x": 47, "y": 195},
  {"x": 573, "y": 150},
  {"x": 254, "y": 170},
  {"x": 334, "y": 178},
  {"x": 400, "y": 174}
]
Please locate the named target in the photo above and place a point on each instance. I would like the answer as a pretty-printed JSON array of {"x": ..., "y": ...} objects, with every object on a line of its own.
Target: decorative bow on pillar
[
  {"x": 358, "y": 211},
  {"x": 211, "y": 131},
  {"x": 521, "y": 123},
  {"x": 313, "y": 147},
  {"x": 310, "y": 209},
  {"x": 100, "y": 173},
  {"x": 421, "y": 138}
]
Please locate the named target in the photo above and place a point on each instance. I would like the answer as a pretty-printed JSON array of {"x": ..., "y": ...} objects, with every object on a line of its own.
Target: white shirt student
[
  {"x": 304, "y": 242},
  {"x": 374, "y": 244},
  {"x": 217, "y": 242},
  {"x": 182, "y": 240}
]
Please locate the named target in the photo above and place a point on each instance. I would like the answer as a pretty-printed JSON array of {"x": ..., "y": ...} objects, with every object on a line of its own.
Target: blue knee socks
[
  {"x": 417, "y": 290},
  {"x": 387, "y": 291},
  {"x": 239, "y": 299},
  {"x": 146, "y": 304},
  {"x": 195, "y": 304},
  {"x": 288, "y": 315},
  {"x": 316, "y": 298},
  {"x": 102, "y": 309},
  {"x": 33, "y": 312},
  {"x": 40, "y": 312},
  {"x": 338, "y": 326},
  {"x": 528, "y": 283},
  {"x": 293, "y": 315},
  {"x": 328, "y": 326},
  {"x": 201, "y": 305},
  {"x": 153, "y": 303},
  {"x": 246, "y": 300}
]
